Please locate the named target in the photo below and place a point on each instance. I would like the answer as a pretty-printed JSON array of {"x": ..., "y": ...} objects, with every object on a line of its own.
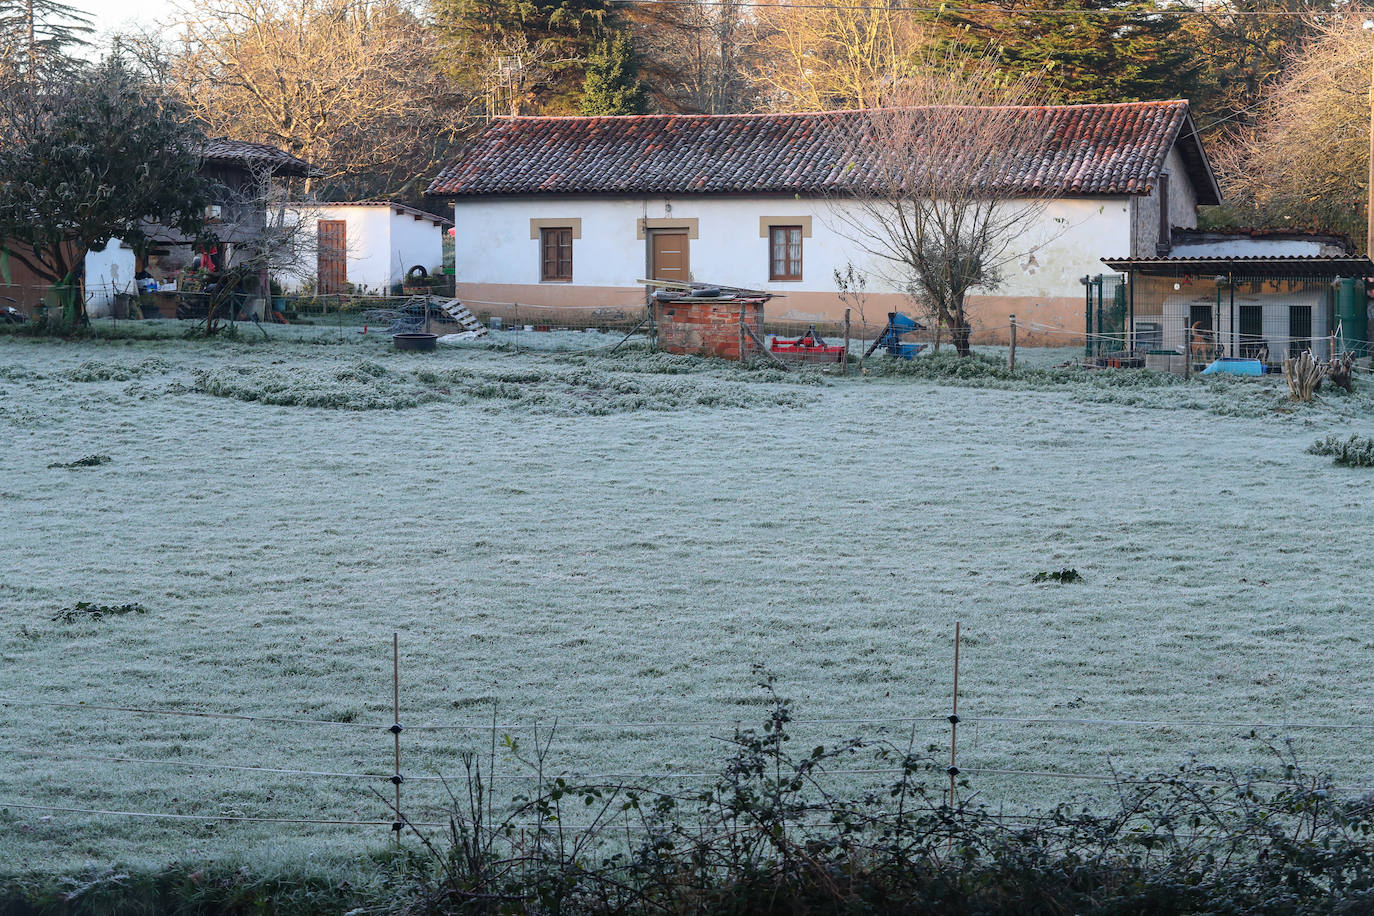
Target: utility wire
[{"x": 1138, "y": 13}]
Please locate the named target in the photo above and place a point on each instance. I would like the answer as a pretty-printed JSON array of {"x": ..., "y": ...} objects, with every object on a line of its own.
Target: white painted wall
[
  {"x": 382, "y": 245},
  {"x": 493, "y": 243},
  {"x": 108, "y": 272},
  {"x": 414, "y": 242},
  {"x": 1248, "y": 247}
]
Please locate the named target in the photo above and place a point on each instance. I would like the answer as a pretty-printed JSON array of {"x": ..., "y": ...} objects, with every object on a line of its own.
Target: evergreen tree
[
  {"x": 612, "y": 85},
  {"x": 92, "y": 158},
  {"x": 1081, "y": 51},
  {"x": 37, "y": 33}
]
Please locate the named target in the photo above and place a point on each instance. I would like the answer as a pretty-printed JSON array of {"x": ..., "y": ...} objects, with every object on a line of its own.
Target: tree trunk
[{"x": 960, "y": 330}]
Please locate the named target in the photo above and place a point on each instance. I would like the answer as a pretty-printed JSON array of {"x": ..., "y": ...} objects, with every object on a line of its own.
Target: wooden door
[
  {"x": 668, "y": 257},
  {"x": 332, "y": 255}
]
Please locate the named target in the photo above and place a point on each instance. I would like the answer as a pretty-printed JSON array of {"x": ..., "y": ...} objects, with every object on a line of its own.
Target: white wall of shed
[
  {"x": 108, "y": 272},
  {"x": 414, "y": 242}
]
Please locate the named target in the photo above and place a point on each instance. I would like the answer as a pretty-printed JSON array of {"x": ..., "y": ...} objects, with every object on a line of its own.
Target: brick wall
[{"x": 707, "y": 328}]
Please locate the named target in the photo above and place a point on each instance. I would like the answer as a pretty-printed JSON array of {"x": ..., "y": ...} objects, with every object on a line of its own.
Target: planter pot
[{"x": 416, "y": 343}]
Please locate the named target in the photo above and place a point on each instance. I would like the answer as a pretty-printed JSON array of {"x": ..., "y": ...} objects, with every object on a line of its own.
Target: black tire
[{"x": 417, "y": 272}]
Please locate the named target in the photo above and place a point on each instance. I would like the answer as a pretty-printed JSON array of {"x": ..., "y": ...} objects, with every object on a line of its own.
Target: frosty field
[{"x": 617, "y": 542}]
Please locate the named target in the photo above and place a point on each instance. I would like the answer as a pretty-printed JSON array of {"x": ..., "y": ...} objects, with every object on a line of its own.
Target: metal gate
[{"x": 1105, "y": 314}]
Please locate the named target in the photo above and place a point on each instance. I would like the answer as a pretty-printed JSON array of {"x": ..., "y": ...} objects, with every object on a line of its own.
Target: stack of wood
[{"x": 1305, "y": 375}]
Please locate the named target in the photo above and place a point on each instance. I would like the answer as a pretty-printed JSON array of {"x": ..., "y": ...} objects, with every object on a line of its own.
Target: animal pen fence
[{"x": 1164, "y": 310}]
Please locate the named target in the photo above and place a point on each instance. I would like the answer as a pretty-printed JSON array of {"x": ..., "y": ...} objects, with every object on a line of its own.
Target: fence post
[
  {"x": 396, "y": 779},
  {"x": 1011, "y": 354},
  {"x": 953, "y": 770},
  {"x": 844, "y": 362},
  {"x": 741, "y": 333}
]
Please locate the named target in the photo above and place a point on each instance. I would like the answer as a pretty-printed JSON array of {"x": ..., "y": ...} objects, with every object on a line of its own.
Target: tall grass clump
[{"x": 1354, "y": 452}]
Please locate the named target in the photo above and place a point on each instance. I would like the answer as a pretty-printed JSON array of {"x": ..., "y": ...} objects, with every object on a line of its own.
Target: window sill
[{"x": 569, "y": 280}]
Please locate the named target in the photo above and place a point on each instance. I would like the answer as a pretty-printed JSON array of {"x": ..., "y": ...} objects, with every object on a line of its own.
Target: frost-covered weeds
[
  {"x": 779, "y": 830},
  {"x": 1219, "y": 394},
  {"x": 370, "y": 386},
  {"x": 1354, "y": 452},
  {"x": 363, "y": 385}
]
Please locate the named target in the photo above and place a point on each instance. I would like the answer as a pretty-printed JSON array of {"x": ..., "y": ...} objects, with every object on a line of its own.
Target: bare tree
[
  {"x": 349, "y": 85},
  {"x": 262, "y": 237},
  {"x": 1305, "y": 163},
  {"x": 695, "y": 55},
  {"x": 815, "y": 57},
  {"x": 937, "y": 187}
]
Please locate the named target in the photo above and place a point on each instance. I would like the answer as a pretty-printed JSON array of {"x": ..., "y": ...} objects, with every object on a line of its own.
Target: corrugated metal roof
[
  {"x": 1083, "y": 150},
  {"x": 1268, "y": 265}
]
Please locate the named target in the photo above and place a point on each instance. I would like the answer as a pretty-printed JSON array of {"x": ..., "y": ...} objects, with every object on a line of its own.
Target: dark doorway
[
  {"x": 1299, "y": 329},
  {"x": 1252, "y": 342}
]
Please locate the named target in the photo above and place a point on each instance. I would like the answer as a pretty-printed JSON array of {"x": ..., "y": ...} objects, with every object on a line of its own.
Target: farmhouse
[
  {"x": 368, "y": 245},
  {"x": 242, "y": 172},
  {"x": 570, "y": 211}
]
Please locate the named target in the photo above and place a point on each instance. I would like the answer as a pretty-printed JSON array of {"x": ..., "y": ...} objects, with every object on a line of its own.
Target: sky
[{"x": 112, "y": 14}]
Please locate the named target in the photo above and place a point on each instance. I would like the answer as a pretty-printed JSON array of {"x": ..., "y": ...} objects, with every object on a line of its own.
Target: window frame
[
  {"x": 554, "y": 238},
  {"x": 787, "y": 275}
]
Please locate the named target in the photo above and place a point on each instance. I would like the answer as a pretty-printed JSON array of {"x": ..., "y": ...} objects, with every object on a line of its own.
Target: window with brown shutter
[
  {"x": 555, "y": 246},
  {"x": 785, "y": 252}
]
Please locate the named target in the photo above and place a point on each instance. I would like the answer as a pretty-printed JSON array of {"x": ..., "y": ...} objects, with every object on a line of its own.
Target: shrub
[{"x": 1354, "y": 452}]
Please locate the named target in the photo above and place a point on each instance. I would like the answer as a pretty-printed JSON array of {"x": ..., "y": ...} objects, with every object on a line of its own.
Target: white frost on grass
[{"x": 635, "y": 567}]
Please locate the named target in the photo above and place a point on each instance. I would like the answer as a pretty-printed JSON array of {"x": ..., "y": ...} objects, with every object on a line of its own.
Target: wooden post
[
  {"x": 844, "y": 363},
  {"x": 741, "y": 332},
  {"x": 1187, "y": 351},
  {"x": 953, "y": 770},
  {"x": 1011, "y": 354},
  {"x": 396, "y": 728},
  {"x": 954, "y": 719}
]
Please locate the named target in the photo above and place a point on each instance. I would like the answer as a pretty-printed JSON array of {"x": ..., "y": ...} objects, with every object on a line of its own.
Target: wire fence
[{"x": 413, "y": 767}]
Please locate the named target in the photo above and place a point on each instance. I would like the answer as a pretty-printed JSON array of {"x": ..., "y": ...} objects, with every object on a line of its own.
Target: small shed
[
  {"x": 367, "y": 246},
  {"x": 1264, "y": 307},
  {"x": 697, "y": 320}
]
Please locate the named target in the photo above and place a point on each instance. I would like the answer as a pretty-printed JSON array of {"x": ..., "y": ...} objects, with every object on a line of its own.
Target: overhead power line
[{"x": 1172, "y": 12}]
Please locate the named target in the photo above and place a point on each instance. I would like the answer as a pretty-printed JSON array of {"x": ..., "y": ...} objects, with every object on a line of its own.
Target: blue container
[{"x": 1235, "y": 365}]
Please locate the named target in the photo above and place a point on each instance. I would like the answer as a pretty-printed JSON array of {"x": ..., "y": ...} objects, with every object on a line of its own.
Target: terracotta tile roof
[
  {"x": 1086, "y": 150},
  {"x": 257, "y": 155}
]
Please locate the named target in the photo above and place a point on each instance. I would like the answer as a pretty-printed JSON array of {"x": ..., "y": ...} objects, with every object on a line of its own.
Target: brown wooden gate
[
  {"x": 669, "y": 257},
  {"x": 332, "y": 255}
]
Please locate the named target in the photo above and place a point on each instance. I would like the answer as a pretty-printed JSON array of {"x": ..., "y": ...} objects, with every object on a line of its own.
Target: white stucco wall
[
  {"x": 414, "y": 242},
  {"x": 1247, "y": 247},
  {"x": 382, "y": 245},
  {"x": 493, "y": 243},
  {"x": 108, "y": 272}
]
